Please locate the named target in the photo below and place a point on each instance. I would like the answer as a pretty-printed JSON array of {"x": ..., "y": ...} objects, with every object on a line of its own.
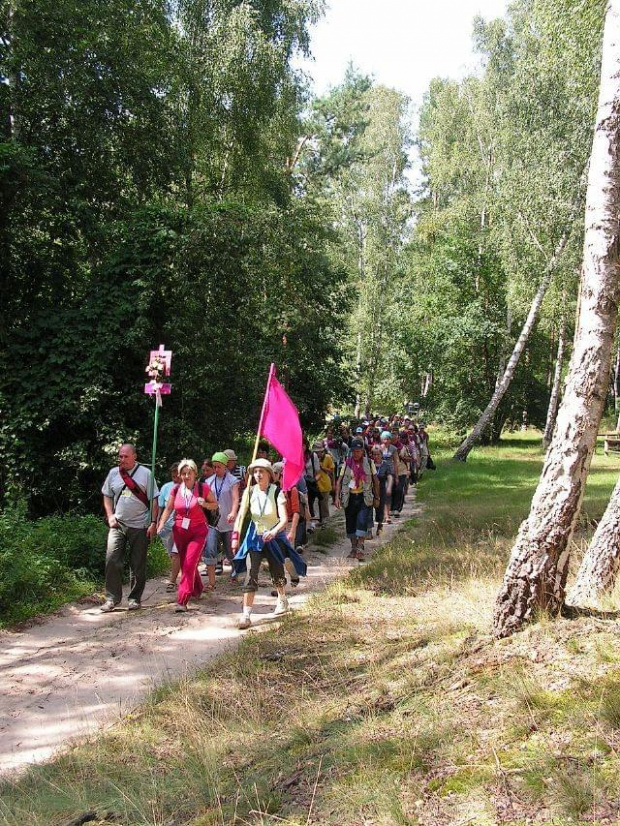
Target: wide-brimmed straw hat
[{"x": 264, "y": 463}]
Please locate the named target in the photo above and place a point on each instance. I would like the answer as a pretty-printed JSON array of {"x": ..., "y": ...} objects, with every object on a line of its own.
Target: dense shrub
[{"x": 51, "y": 561}]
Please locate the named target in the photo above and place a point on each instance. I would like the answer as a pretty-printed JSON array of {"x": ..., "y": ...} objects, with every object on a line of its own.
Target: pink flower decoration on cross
[{"x": 158, "y": 367}]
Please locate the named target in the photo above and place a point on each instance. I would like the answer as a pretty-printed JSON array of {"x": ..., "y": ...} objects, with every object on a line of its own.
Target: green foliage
[
  {"x": 50, "y": 561},
  {"x": 147, "y": 197},
  {"x": 503, "y": 157},
  {"x": 42, "y": 564},
  {"x": 356, "y": 165}
]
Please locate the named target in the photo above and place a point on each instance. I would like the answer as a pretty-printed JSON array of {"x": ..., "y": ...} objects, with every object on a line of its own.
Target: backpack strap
[
  {"x": 133, "y": 486},
  {"x": 276, "y": 493}
]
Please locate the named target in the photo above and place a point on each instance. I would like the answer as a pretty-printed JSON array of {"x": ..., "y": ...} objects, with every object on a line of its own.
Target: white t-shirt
[{"x": 222, "y": 490}]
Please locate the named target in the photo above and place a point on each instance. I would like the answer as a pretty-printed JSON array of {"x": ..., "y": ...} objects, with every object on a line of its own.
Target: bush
[{"x": 51, "y": 561}]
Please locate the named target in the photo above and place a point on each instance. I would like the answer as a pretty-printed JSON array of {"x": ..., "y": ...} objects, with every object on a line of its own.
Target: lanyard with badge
[{"x": 188, "y": 503}]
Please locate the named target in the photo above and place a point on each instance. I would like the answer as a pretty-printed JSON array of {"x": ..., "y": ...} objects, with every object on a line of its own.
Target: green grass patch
[
  {"x": 472, "y": 512},
  {"x": 324, "y": 537},
  {"x": 385, "y": 701},
  {"x": 49, "y": 562}
]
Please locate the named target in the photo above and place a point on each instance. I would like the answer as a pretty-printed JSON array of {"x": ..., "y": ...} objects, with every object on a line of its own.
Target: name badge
[{"x": 185, "y": 523}]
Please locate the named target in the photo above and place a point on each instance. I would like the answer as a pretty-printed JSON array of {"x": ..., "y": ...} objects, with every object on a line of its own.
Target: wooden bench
[{"x": 611, "y": 442}]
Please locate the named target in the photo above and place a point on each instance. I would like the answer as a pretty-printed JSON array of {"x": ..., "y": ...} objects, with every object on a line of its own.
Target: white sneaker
[
  {"x": 107, "y": 606},
  {"x": 244, "y": 622},
  {"x": 282, "y": 606}
]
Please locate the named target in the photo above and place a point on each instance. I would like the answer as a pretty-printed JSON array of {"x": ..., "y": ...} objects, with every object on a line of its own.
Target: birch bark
[
  {"x": 554, "y": 398},
  {"x": 599, "y": 568},
  {"x": 535, "y": 578}
]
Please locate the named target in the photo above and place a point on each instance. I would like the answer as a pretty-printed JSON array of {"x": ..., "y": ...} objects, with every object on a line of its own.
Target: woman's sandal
[{"x": 170, "y": 587}]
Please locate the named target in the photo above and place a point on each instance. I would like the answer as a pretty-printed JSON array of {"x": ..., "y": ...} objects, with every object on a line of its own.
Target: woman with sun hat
[{"x": 266, "y": 539}]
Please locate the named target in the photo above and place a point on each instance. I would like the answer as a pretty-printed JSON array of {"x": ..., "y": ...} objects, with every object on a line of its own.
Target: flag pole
[
  {"x": 154, "y": 452},
  {"x": 243, "y": 508}
]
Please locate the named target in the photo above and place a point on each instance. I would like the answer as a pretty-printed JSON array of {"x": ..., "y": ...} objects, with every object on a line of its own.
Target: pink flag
[{"x": 281, "y": 426}]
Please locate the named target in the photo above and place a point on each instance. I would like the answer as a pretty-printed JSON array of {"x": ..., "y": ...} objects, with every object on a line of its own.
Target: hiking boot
[
  {"x": 107, "y": 606},
  {"x": 244, "y": 622},
  {"x": 282, "y": 606},
  {"x": 134, "y": 605}
]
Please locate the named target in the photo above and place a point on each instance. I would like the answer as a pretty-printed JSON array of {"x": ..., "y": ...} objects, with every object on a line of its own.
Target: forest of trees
[{"x": 167, "y": 176}]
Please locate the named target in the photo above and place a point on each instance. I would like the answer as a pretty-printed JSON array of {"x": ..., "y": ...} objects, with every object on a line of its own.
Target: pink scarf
[{"x": 358, "y": 470}]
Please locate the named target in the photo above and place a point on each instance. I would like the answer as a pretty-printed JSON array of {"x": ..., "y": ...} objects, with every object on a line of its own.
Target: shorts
[
  {"x": 217, "y": 542},
  {"x": 168, "y": 540},
  {"x": 209, "y": 552}
]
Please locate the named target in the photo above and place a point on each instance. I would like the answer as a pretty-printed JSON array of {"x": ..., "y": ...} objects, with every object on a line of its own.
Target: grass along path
[{"x": 385, "y": 701}]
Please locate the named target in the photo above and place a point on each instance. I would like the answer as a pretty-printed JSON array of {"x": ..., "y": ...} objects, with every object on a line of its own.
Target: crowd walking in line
[{"x": 365, "y": 470}]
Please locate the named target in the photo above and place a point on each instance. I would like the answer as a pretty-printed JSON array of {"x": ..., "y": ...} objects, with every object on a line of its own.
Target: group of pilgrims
[{"x": 365, "y": 469}]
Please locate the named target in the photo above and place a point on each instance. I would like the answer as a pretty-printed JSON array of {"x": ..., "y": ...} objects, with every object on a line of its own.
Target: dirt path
[{"x": 79, "y": 670}]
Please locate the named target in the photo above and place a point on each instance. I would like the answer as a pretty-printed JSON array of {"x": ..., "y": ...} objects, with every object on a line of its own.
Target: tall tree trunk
[
  {"x": 358, "y": 375},
  {"x": 617, "y": 380},
  {"x": 481, "y": 425},
  {"x": 554, "y": 398},
  {"x": 426, "y": 383},
  {"x": 535, "y": 578},
  {"x": 361, "y": 268},
  {"x": 11, "y": 128},
  {"x": 599, "y": 567}
]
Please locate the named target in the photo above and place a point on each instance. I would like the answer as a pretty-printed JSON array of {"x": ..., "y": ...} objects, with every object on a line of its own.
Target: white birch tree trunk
[
  {"x": 535, "y": 578},
  {"x": 554, "y": 398},
  {"x": 616, "y": 381},
  {"x": 358, "y": 375},
  {"x": 500, "y": 390},
  {"x": 599, "y": 567}
]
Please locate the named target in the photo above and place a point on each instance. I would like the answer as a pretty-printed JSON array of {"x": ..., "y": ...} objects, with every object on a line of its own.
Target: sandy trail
[{"x": 66, "y": 677}]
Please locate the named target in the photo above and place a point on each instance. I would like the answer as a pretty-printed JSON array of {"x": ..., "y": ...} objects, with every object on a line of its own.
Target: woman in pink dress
[{"x": 189, "y": 501}]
